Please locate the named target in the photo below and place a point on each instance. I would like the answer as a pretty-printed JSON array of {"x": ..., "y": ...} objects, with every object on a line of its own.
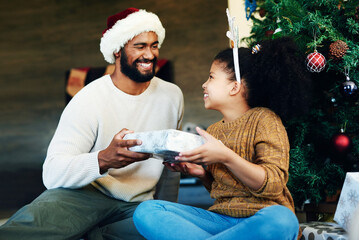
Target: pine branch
[{"x": 315, "y": 169}]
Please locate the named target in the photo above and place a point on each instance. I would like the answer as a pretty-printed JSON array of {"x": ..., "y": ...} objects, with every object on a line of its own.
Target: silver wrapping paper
[{"x": 166, "y": 144}]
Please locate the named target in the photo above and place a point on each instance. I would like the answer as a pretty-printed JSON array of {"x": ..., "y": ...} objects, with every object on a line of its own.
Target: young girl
[{"x": 245, "y": 159}]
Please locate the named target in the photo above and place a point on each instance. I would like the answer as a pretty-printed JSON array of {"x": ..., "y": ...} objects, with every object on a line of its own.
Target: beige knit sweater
[
  {"x": 87, "y": 126},
  {"x": 259, "y": 137}
]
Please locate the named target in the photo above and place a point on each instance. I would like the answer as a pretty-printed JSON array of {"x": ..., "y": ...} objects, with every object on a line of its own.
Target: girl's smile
[{"x": 216, "y": 88}]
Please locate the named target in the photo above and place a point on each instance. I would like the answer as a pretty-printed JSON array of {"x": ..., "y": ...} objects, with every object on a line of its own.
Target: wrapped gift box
[
  {"x": 165, "y": 143},
  {"x": 322, "y": 231},
  {"x": 348, "y": 200}
]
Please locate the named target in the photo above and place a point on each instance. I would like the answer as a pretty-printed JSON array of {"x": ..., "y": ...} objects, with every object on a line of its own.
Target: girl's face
[{"x": 216, "y": 89}]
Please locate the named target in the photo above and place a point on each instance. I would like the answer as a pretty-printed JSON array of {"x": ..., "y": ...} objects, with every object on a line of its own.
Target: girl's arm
[{"x": 214, "y": 151}]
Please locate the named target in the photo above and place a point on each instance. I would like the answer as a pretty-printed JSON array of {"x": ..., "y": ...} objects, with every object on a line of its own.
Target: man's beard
[{"x": 132, "y": 72}]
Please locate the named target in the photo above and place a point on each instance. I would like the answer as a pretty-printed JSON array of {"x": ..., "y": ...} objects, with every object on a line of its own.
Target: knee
[
  {"x": 283, "y": 223},
  {"x": 52, "y": 195},
  {"x": 146, "y": 209},
  {"x": 141, "y": 209},
  {"x": 284, "y": 218}
]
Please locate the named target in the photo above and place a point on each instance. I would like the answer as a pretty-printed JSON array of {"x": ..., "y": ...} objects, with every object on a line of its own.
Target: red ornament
[
  {"x": 262, "y": 12},
  {"x": 315, "y": 62},
  {"x": 269, "y": 33},
  {"x": 341, "y": 142}
]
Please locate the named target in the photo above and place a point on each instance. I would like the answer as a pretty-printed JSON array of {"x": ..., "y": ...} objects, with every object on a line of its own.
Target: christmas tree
[{"x": 324, "y": 143}]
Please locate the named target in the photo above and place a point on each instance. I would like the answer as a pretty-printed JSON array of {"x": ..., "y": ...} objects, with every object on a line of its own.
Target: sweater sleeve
[
  {"x": 69, "y": 162},
  {"x": 272, "y": 153},
  {"x": 180, "y": 111}
]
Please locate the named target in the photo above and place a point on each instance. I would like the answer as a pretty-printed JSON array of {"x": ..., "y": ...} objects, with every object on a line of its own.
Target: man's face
[{"x": 139, "y": 57}]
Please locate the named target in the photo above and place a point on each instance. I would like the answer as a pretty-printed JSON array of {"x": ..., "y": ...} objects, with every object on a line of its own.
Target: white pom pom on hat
[{"x": 124, "y": 26}]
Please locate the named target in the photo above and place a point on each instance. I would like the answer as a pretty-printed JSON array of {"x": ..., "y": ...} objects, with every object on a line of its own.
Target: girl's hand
[
  {"x": 211, "y": 152},
  {"x": 191, "y": 169}
]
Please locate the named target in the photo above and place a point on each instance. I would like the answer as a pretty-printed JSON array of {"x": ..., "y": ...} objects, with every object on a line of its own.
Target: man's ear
[{"x": 236, "y": 88}]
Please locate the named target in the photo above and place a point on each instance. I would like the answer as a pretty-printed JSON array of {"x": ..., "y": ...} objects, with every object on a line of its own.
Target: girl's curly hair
[{"x": 275, "y": 77}]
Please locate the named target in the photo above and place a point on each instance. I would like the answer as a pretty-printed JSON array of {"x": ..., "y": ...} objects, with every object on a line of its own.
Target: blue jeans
[{"x": 156, "y": 219}]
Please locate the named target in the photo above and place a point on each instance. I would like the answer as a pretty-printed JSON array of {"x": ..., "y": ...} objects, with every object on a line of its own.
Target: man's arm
[{"x": 69, "y": 162}]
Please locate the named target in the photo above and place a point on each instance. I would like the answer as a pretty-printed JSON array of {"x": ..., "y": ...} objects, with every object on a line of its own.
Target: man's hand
[{"x": 117, "y": 155}]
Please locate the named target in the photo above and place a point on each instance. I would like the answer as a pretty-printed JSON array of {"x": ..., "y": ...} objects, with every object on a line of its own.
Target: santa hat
[{"x": 124, "y": 26}]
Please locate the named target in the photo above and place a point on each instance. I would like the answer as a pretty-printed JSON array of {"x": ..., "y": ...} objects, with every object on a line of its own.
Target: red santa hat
[{"x": 124, "y": 26}]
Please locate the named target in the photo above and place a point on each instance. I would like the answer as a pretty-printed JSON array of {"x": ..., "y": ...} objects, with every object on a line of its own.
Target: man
[{"x": 91, "y": 176}]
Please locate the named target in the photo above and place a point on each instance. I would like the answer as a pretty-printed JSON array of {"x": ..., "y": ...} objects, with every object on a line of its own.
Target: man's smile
[{"x": 145, "y": 65}]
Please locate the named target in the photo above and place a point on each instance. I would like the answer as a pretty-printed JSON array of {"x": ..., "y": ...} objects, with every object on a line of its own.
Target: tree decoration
[
  {"x": 314, "y": 169},
  {"x": 341, "y": 142},
  {"x": 337, "y": 50},
  {"x": 349, "y": 89},
  {"x": 262, "y": 12},
  {"x": 269, "y": 33},
  {"x": 341, "y": 5},
  {"x": 278, "y": 31},
  {"x": 315, "y": 62},
  {"x": 250, "y": 6}
]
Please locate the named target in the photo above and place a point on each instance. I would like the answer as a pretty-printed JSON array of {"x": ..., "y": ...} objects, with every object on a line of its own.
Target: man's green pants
[{"x": 72, "y": 214}]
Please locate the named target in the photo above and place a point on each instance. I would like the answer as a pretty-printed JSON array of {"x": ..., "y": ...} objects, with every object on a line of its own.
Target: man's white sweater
[{"x": 88, "y": 124}]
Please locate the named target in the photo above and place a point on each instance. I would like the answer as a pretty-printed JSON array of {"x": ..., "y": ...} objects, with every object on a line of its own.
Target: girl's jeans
[{"x": 156, "y": 219}]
